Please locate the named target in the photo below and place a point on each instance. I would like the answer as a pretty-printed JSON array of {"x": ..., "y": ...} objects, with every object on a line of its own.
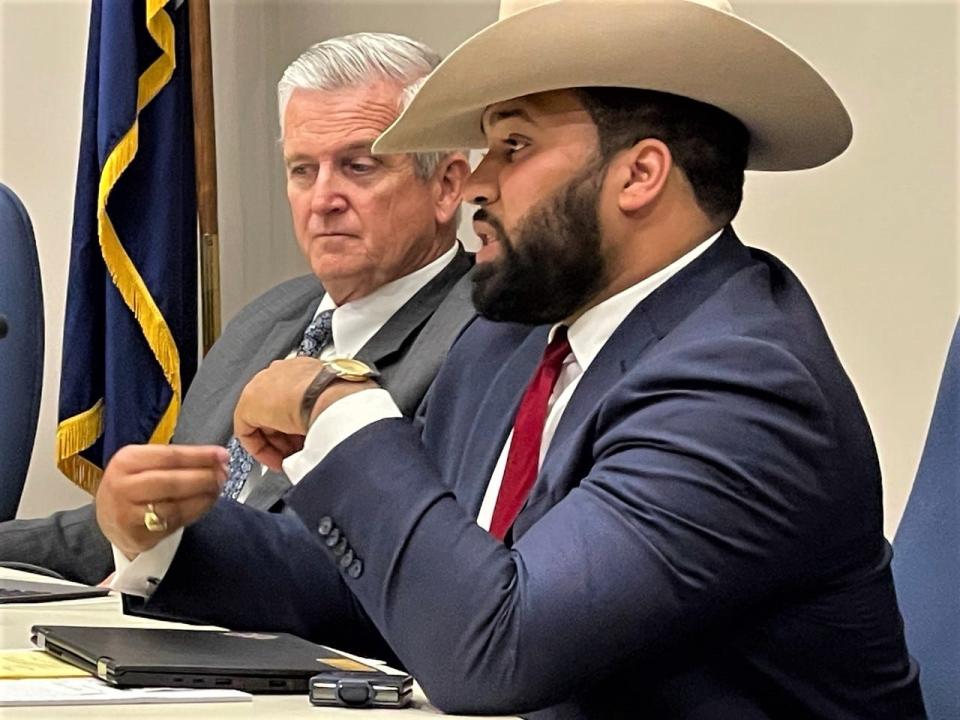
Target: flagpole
[{"x": 204, "y": 135}]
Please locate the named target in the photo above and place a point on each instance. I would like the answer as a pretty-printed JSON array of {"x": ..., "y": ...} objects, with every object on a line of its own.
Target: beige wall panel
[
  {"x": 874, "y": 234},
  {"x": 42, "y": 53}
]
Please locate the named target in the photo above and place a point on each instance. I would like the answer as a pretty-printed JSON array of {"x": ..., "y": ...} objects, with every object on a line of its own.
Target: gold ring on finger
[{"x": 152, "y": 521}]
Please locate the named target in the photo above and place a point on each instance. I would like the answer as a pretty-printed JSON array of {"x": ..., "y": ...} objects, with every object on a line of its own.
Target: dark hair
[{"x": 709, "y": 145}]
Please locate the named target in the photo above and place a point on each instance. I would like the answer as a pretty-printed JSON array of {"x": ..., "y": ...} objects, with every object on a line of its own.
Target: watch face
[{"x": 349, "y": 366}]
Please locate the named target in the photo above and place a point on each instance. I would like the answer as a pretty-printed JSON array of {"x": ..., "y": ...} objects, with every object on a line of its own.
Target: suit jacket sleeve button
[
  {"x": 341, "y": 547},
  {"x": 356, "y": 568},
  {"x": 325, "y": 526},
  {"x": 347, "y": 559},
  {"x": 333, "y": 538}
]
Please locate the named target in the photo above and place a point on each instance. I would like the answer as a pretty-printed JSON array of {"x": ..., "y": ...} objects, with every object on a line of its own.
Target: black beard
[{"x": 555, "y": 266}]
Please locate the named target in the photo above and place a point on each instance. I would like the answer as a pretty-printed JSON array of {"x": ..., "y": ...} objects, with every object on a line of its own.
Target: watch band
[
  {"x": 312, "y": 394},
  {"x": 335, "y": 369}
]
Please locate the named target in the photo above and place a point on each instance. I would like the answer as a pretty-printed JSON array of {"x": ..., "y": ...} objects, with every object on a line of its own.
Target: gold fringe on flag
[{"x": 79, "y": 432}]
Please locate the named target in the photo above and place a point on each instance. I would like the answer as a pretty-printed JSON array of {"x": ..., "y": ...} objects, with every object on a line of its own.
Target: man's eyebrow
[
  {"x": 295, "y": 158},
  {"x": 499, "y": 115},
  {"x": 359, "y": 145}
]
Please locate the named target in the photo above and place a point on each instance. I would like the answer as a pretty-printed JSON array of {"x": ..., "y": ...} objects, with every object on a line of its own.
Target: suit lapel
[
  {"x": 567, "y": 460},
  {"x": 415, "y": 312},
  {"x": 561, "y": 463},
  {"x": 495, "y": 419}
]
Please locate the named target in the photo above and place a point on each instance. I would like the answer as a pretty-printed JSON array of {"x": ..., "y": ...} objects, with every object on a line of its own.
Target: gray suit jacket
[{"x": 408, "y": 351}]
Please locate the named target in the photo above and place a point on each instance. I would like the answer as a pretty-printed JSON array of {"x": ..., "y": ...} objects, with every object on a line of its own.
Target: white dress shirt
[{"x": 353, "y": 325}]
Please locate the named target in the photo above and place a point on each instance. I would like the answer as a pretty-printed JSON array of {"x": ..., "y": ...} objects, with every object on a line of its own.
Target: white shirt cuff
[
  {"x": 336, "y": 424},
  {"x": 141, "y": 575}
]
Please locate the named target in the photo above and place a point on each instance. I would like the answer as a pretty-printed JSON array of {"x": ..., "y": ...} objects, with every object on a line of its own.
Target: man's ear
[
  {"x": 450, "y": 177},
  {"x": 643, "y": 171}
]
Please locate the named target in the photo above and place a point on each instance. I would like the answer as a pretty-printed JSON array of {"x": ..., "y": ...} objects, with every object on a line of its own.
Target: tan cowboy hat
[{"x": 699, "y": 50}]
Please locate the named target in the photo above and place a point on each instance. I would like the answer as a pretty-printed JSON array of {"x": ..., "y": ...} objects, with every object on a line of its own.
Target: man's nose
[
  {"x": 481, "y": 187},
  {"x": 328, "y": 197}
]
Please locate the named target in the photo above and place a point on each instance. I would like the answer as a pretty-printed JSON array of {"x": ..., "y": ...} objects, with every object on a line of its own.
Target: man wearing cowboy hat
[{"x": 644, "y": 484}]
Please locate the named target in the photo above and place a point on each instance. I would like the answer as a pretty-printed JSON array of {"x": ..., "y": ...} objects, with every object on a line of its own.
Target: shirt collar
[
  {"x": 356, "y": 321},
  {"x": 590, "y": 332}
]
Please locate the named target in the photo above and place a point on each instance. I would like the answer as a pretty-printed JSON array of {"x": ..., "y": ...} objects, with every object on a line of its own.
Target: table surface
[{"x": 17, "y": 619}]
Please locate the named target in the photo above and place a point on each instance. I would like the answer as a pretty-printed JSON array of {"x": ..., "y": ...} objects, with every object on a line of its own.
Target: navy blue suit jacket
[{"x": 704, "y": 539}]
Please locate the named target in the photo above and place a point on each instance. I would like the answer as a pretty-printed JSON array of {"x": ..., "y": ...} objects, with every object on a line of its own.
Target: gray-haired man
[{"x": 379, "y": 233}]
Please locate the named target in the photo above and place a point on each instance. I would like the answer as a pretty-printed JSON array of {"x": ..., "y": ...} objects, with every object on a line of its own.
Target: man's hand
[
  {"x": 180, "y": 483},
  {"x": 267, "y": 419}
]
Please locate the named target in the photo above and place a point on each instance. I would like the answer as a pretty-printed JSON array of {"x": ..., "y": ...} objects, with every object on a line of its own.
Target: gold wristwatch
[{"x": 347, "y": 369}]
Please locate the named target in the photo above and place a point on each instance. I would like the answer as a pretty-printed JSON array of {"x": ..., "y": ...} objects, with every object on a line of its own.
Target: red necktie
[{"x": 523, "y": 457}]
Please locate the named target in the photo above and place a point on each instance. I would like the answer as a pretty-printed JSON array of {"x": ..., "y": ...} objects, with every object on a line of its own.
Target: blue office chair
[
  {"x": 926, "y": 552},
  {"x": 21, "y": 348}
]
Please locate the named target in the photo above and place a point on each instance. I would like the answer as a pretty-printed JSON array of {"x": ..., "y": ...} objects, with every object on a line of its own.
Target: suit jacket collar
[
  {"x": 646, "y": 325},
  {"x": 416, "y": 311},
  {"x": 651, "y": 320},
  {"x": 495, "y": 419}
]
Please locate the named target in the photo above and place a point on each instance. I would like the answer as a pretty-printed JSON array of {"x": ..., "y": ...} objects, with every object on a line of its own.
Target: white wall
[
  {"x": 42, "y": 53},
  {"x": 873, "y": 235}
]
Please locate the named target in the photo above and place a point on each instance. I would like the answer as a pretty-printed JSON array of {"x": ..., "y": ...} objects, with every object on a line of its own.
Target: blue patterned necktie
[{"x": 315, "y": 338}]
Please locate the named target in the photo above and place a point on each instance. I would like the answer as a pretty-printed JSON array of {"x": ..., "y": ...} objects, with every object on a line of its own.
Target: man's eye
[
  {"x": 361, "y": 167},
  {"x": 513, "y": 146}
]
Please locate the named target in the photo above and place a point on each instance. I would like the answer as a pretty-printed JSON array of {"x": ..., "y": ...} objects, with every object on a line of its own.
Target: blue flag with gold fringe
[{"x": 130, "y": 331}]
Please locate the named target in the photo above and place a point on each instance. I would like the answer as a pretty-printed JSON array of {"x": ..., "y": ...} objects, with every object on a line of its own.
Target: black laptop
[
  {"x": 141, "y": 657},
  {"x": 25, "y": 591}
]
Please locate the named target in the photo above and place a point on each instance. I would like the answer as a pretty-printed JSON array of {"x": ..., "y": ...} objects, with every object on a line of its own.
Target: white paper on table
[{"x": 91, "y": 691}]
